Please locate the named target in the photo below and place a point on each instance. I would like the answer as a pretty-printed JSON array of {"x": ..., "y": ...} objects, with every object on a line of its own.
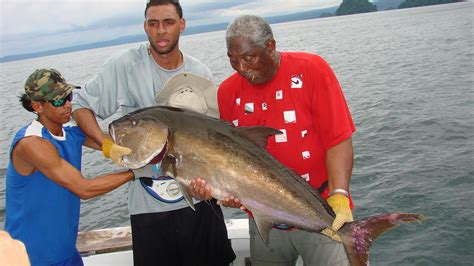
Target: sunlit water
[{"x": 408, "y": 79}]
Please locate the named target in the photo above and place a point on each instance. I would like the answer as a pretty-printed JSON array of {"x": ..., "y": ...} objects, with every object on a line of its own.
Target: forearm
[
  {"x": 87, "y": 121},
  {"x": 92, "y": 144},
  {"x": 106, "y": 183},
  {"x": 339, "y": 163},
  {"x": 62, "y": 172}
]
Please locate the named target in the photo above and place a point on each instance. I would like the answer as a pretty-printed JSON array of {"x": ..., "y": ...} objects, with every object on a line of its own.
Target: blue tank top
[{"x": 40, "y": 212}]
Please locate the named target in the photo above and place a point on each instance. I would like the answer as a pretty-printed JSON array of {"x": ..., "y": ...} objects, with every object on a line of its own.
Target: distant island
[
  {"x": 347, "y": 7},
  {"x": 416, "y": 3}
]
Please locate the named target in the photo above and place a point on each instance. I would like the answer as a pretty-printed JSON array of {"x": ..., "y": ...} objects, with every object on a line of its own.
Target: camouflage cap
[{"x": 47, "y": 85}]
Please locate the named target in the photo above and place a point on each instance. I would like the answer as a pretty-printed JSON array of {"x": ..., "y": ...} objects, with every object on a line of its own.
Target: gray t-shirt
[{"x": 130, "y": 80}]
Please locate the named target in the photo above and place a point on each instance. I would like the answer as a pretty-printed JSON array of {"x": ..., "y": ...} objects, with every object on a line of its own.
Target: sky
[{"x": 28, "y": 26}]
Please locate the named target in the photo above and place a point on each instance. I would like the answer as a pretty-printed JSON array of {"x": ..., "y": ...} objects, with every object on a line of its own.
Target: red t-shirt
[{"x": 304, "y": 100}]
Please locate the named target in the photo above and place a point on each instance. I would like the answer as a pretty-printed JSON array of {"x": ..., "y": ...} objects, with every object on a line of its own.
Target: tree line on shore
[{"x": 348, "y": 7}]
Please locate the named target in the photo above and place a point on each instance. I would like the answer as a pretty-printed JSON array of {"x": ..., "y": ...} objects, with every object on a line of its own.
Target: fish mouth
[
  {"x": 158, "y": 158},
  {"x": 154, "y": 158},
  {"x": 136, "y": 159}
]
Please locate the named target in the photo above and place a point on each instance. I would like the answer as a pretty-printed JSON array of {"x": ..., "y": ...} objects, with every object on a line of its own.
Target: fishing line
[{"x": 214, "y": 210}]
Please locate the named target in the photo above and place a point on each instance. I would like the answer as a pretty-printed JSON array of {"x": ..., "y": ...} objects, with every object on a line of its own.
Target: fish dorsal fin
[
  {"x": 264, "y": 225},
  {"x": 168, "y": 167},
  {"x": 258, "y": 135}
]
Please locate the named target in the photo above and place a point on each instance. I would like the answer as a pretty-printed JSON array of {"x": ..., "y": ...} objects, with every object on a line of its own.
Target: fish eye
[{"x": 134, "y": 122}]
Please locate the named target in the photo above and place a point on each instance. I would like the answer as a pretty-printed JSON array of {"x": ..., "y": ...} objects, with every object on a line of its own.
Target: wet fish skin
[{"x": 234, "y": 163}]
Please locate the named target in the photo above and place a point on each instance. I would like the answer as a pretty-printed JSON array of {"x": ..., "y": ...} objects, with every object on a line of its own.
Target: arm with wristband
[
  {"x": 332, "y": 116},
  {"x": 339, "y": 162}
]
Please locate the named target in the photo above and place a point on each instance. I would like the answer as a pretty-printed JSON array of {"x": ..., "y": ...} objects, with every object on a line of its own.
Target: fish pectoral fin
[
  {"x": 264, "y": 225},
  {"x": 187, "y": 195},
  {"x": 168, "y": 167}
]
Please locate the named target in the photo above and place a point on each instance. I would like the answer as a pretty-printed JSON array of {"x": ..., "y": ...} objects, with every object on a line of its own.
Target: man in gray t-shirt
[{"x": 164, "y": 231}]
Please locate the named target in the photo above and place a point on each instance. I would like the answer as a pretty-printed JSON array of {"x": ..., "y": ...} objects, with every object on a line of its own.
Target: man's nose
[{"x": 161, "y": 29}]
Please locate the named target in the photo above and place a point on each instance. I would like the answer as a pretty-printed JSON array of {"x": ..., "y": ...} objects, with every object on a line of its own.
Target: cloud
[
  {"x": 276, "y": 7},
  {"x": 24, "y": 16},
  {"x": 28, "y": 26},
  {"x": 227, "y": 10},
  {"x": 38, "y": 25}
]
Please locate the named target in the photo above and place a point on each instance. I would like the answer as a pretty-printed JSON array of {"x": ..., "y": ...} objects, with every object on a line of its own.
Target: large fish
[{"x": 234, "y": 163}]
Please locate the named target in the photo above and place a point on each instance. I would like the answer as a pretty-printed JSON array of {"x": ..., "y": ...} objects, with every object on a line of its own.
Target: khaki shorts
[{"x": 285, "y": 247}]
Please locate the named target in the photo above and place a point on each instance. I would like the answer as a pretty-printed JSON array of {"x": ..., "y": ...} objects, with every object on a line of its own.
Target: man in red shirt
[{"x": 298, "y": 94}]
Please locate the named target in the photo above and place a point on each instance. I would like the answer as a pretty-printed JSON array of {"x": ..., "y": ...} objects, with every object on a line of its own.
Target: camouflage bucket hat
[{"x": 47, "y": 85}]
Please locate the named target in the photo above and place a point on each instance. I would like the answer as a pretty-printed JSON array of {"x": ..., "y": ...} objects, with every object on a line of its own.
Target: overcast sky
[{"x": 28, "y": 26}]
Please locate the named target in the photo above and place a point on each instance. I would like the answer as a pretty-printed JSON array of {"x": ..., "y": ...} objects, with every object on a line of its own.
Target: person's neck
[
  {"x": 277, "y": 60},
  {"x": 53, "y": 128},
  {"x": 171, "y": 60}
]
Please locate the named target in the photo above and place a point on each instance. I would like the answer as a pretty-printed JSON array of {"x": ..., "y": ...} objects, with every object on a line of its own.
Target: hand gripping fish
[{"x": 234, "y": 163}]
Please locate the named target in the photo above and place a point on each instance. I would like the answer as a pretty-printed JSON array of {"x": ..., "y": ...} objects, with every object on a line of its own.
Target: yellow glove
[
  {"x": 332, "y": 234},
  {"x": 340, "y": 205},
  {"x": 114, "y": 151}
]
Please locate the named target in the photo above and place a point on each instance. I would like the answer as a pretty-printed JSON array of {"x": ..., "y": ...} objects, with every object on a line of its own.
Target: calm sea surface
[{"x": 408, "y": 76}]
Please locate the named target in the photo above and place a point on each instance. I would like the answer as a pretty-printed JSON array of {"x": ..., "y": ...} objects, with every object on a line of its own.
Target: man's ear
[
  {"x": 37, "y": 106},
  {"x": 145, "y": 27},
  {"x": 182, "y": 25},
  {"x": 271, "y": 46}
]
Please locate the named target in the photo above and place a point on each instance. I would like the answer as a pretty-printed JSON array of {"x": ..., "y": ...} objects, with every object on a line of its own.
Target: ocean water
[{"x": 408, "y": 77}]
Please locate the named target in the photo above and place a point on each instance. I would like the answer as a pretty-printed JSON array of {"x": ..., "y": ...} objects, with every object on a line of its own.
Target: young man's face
[
  {"x": 57, "y": 115},
  {"x": 163, "y": 27},
  {"x": 256, "y": 64}
]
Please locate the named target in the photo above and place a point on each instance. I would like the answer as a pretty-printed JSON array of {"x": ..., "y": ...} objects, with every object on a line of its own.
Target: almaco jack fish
[{"x": 234, "y": 163}]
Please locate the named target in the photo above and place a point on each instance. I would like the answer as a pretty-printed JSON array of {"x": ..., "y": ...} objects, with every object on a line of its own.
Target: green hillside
[{"x": 348, "y": 7}]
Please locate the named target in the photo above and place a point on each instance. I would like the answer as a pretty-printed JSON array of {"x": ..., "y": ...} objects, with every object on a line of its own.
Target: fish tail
[{"x": 357, "y": 236}]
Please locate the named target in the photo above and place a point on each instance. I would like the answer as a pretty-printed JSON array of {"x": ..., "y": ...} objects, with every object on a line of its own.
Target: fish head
[{"x": 145, "y": 135}]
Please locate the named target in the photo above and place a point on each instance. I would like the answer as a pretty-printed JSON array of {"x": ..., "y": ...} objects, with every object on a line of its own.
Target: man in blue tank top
[{"x": 44, "y": 184}]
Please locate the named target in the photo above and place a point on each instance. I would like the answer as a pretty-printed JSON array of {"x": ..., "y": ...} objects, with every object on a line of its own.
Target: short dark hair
[
  {"x": 26, "y": 102},
  {"x": 176, "y": 4}
]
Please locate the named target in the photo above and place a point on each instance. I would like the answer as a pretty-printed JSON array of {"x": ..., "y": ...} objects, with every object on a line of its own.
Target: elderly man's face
[{"x": 256, "y": 64}]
